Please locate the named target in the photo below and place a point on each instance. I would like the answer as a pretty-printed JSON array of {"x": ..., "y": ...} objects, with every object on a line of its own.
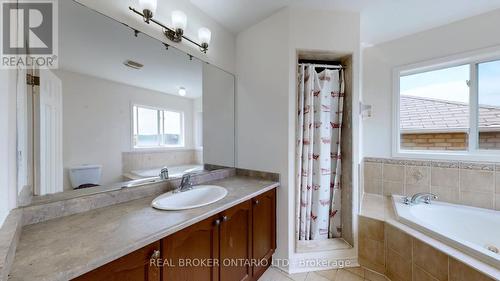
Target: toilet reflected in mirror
[{"x": 85, "y": 176}]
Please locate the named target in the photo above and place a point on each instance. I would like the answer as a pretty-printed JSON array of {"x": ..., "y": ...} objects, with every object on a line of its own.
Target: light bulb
[
  {"x": 204, "y": 35},
  {"x": 182, "y": 91},
  {"x": 148, "y": 5},
  {"x": 179, "y": 20}
]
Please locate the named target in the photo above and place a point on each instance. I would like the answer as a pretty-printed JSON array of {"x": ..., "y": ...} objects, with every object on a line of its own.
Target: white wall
[
  {"x": 8, "y": 189},
  {"x": 378, "y": 62},
  {"x": 221, "y": 51},
  {"x": 218, "y": 117},
  {"x": 97, "y": 121},
  {"x": 266, "y": 93}
]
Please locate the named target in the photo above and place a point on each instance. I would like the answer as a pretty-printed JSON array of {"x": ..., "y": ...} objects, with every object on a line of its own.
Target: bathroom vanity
[
  {"x": 133, "y": 241},
  {"x": 239, "y": 234}
]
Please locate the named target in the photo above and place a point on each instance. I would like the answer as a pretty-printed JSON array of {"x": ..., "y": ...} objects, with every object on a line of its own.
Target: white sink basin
[{"x": 199, "y": 196}]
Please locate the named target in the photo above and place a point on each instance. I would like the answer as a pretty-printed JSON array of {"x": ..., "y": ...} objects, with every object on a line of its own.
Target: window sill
[
  {"x": 481, "y": 156},
  {"x": 160, "y": 149}
]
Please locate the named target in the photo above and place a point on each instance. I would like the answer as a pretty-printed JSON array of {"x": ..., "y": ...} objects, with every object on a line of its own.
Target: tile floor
[{"x": 352, "y": 274}]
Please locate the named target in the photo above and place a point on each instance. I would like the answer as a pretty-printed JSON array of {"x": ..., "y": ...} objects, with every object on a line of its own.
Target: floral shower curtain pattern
[{"x": 318, "y": 158}]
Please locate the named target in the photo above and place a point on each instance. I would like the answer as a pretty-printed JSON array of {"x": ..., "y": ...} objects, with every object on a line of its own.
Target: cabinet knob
[
  {"x": 225, "y": 218},
  {"x": 256, "y": 202},
  {"x": 156, "y": 254}
]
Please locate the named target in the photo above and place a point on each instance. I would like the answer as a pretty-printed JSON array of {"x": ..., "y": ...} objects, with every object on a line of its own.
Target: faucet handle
[
  {"x": 164, "y": 173},
  {"x": 407, "y": 200},
  {"x": 186, "y": 178},
  {"x": 186, "y": 181},
  {"x": 428, "y": 199}
]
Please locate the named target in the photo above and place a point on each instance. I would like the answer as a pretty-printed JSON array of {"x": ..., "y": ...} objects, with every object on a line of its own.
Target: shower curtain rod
[{"x": 328, "y": 66}]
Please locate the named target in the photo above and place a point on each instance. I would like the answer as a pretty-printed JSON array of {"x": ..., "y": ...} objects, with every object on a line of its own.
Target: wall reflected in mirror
[{"x": 120, "y": 108}]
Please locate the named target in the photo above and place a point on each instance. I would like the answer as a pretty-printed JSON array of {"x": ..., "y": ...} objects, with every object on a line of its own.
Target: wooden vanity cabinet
[
  {"x": 246, "y": 235},
  {"x": 236, "y": 243},
  {"x": 197, "y": 243},
  {"x": 132, "y": 267},
  {"x": 263, "y": 231},
  {"x": 224, "y": 247}
]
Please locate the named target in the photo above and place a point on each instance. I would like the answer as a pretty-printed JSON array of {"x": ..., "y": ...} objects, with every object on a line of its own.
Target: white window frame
[
  {"x": 473, "y": 153},
  {"x": 182, "y": 144}
]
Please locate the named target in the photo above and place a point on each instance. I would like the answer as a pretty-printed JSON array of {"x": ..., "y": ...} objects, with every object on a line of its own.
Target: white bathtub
[
  {"x": 471, "y": 230},
  {"x": 173, "y": 172}
]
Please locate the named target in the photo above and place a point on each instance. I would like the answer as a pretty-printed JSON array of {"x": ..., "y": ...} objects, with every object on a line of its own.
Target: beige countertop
[{"x": 64, "y": 248}]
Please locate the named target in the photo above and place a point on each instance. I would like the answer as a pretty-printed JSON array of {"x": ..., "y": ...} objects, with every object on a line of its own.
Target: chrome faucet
[
  {"x": 425, "y": 197},
  {"x": 164, "y": 173},
  {"x": 185, "y": 185}
]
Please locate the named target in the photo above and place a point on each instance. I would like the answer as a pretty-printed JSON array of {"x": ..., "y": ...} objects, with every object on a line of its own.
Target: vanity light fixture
[
  {"x": 148, "y": 9},
  {"x": 182, "y": 91},
  {"x": 179, "y": 23}
]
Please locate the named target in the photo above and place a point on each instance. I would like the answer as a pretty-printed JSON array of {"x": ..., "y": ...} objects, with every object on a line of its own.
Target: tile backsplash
[
  {"x": 469, "y": 183},
  {"x": 141, "y": 160}
]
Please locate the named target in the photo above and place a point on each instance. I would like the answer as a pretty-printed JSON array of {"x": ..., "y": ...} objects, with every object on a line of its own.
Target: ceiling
[
  {"x": 164, "y": 70},
  {"x": 381, "y": 20}
]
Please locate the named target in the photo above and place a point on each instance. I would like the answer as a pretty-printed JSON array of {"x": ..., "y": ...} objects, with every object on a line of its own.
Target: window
[
  {"x": 156, "y": 128},
  {"x": 448, "y": 109},
  {"x": 489, "y": 105}
]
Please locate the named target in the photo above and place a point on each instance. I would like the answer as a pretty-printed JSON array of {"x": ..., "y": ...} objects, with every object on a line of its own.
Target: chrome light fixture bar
[{"x": 179, "y": 22}]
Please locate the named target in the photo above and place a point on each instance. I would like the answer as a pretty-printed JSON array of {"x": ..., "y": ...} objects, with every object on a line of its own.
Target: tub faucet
[
  {"x": 185, "y": 185},
  {"x": 420, "y": 197},
  {"x": 164, "y": 173}
]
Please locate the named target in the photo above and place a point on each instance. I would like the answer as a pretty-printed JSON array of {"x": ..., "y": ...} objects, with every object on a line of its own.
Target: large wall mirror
[{"x": 119, "y": 110}]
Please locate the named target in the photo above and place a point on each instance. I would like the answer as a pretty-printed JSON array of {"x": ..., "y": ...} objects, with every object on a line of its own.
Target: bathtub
[
  {"x": 173, "y": 172},
  {"x": 474, "y": 231}
]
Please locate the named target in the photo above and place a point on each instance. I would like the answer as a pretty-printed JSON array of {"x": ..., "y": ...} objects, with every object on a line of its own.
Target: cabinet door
[
  {"x": 263, "y": 230},
  {"x": 189, "y": 254},
  {"x": 132, "y": 267},
  {"x": 235, "y": 243}
]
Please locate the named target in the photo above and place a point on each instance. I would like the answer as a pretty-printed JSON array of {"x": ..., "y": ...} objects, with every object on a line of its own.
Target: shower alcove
[{"x": 344, "y": 240}]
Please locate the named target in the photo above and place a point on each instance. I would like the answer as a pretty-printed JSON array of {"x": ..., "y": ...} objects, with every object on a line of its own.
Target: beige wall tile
[
  {"x": 430, "y": 260},
  {"x": 446, "y": 194},
  {"x": 418, "y": 175},
  {"x": 373, "y": 170},
  {"x": 477, "y": 199},
  {"x": 445, "y": 177},
  {"x": 399, "y": 242},
  {"x": 420, "y": 275},
  {"x": 373, "y": 186},
  {"x": 476, "y": 180},
  {"x": 462, "y": 272},
  {"x": 393, "y": 172},
  {"x": 414, "y": 189},
  {"x": 371, "y": 229},
  {"x": 372, "y": 255},
  {"x": 371, "y": 244},
  {"x": 497, "y": 202},
  {"x": 497, "y": 181},
  {"x": 390, "y": 188},
  {"x": 398, "y": 269}
]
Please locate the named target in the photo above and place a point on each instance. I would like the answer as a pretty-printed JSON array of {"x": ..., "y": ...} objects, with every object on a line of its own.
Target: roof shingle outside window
[{"x": 425, "y": 115}]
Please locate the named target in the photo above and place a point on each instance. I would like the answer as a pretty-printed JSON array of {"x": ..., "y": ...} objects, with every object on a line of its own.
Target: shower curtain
[{"x": 318, "y": 159}]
